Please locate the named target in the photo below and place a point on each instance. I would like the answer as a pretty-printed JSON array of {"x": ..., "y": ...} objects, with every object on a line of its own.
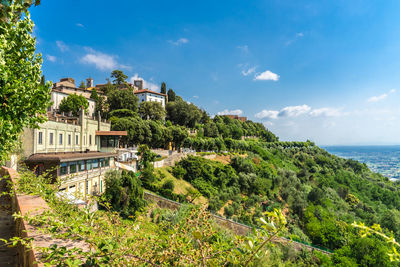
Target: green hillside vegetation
[
  {"x": 179, "y": 186},
  {"x": 149, "y": 236},
  {"x": 320, "y": 194}
]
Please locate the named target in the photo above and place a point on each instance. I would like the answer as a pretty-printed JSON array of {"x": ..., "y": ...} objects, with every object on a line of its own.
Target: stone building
[
  {"x": 146, "y": 95},
  {"x": 78, "y": 150}
]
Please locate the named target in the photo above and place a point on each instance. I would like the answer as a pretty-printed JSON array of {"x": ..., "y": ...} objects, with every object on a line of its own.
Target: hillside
[{"x": 321, "y": 195}]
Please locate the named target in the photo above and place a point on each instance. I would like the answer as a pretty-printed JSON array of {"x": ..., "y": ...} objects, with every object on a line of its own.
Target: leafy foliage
[
  {"x": 122, "y": 99},
  {"x": 73, "y": 103},
  {"x": 163, "y": 88},
  {"x": 23, "y": 98},
  {"x": 186, "y": 237},
  {"x": 119, "y": 77},
  {"x": 182, "y": 113},
  {"x": 171, "y": 95},
  {"x": 124, "y": 193},
  {"x": 152, "y": 111}
]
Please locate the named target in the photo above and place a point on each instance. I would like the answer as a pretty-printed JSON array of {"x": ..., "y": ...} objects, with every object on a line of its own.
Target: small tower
[
  {"x": 138, "y": 84},
  {"x": 89, "y": 82}
]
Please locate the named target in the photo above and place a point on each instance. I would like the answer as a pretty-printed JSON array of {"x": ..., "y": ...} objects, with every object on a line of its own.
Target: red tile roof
[
  {"x": 67, "y": 156},
  {"x": 122, "y": 133}
]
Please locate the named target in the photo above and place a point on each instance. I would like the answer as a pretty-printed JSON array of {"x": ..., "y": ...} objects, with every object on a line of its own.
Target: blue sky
[{"x": 328, "y": 71}]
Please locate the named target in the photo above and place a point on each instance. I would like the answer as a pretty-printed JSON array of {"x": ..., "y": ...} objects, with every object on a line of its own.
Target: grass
[{"x": 181, "y": 186}]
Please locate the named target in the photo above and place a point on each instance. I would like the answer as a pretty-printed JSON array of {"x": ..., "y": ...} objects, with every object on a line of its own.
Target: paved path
[{"x": 8, "y": 256}]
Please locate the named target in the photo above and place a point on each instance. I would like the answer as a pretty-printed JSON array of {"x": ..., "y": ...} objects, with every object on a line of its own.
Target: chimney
[{"x": 89, "y": 82}]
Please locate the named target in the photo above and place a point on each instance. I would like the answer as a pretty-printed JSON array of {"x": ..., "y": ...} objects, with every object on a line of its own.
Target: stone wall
[
  {"x": 164, "y": 203},
  {"x": 235, "y": 227},
  {"x": 32, "y": 205}
]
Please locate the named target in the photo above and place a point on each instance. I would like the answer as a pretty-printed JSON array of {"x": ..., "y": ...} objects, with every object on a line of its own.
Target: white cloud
[
  {"x": 146, "y": 84},
  {"x": 325, "y": 112},
  {"x": 267, "y": 114},
  {"x": 244, "y": 48},
  {"x": 51, "y": 58},
  {"x": 179, "y": 42},
  {"x": 62, "y": 46},
  {"x": 80, "y": 25},
  {"x": 377, "y": 98},
  {"x": 248, "y": 71},
  {"x": 299, "y": 34},
  {"x": 102, "y": 61},
  {"x": 231, "y": 112},
  {"x": 381, "y": 97},
  {"x": 294, "y": 111},
  {"x": 266, "y": 75},
  {"x": 196, "y": 96}
]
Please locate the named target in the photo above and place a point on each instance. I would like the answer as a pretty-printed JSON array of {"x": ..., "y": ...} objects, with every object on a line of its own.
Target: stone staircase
[{"x": 8, "y": 255}]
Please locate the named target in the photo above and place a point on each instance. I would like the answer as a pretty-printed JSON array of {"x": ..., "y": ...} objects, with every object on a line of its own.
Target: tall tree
[
  {"x": 152, "y": 111},
  {"x": 73, "y": 103},
  {"x": 23, "y": 98},
  {"x": 124, "y": 193},
  {"x": 163, "y": 88},
  {"x": 119, "y": 77},
  {"x": 171, "y": 95},
  {"x": 183, "y": 113},
  {"x": 122, "y": 99},
  {"x": 94, "y": 95},
  {"x": 82, "y": 85}
]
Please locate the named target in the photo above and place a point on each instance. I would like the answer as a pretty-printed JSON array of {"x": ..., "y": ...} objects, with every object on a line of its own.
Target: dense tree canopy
[
  {"x": 183, "y": 113},
  {"x": 171, "y": 95},
  {"x": 23, "y": 98},
  {"x": 152, "y": 111},
  {"x": 163, "y": 88},
  {"x": 119, "y": 77},
  {"x": 73, "y": 103},
  {"x": 82, "y": 85},
  {"x": 122, "y": 99},
  {"x": 124, "y": 192}
]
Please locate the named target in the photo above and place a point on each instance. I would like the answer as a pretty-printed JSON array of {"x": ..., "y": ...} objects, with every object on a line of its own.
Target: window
[
  {"x": 40, "y": 138},
  {"x": 95, "y": 163},
  {"x": 102, "y": 163},
  {"x": 69, "y": 139},
  {"x": 107, "y": 162},
  {"x": 51, "y": 139},
  {"x": 90, "y": 139},
  {"x": 89, "y": 164},
  {"x": 81, "y": 164},
  {"x": 63, "y": 168},
  {"x": 61, "y": 137},
  {"x": 76, "y": 140},
  {"x": 72, "y": 167},
  {"x": 108, "y": 141}
]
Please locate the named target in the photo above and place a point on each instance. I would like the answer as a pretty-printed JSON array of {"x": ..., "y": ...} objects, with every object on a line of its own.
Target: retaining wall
[
  {"x": 235, "y": 227},
  {"x": 32, "y": 205}
]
